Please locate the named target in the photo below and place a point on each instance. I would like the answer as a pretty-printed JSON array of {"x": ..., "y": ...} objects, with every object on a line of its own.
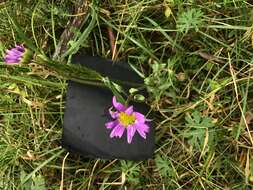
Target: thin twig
[
  {"x": 112, "y": 42},
  {"x": 62, "y": 171},
  {"x": 91, "y": 175},
  {"x": 237, "y": 98}
]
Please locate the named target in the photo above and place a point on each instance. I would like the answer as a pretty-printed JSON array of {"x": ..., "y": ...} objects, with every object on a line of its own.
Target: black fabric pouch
[{"x": 86, "y": 113}]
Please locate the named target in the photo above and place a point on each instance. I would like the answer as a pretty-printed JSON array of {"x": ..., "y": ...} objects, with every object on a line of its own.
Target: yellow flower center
[{"x": 126, "y": 119}]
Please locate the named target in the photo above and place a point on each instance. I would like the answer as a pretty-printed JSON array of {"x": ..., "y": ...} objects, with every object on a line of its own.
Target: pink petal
[
  {"x": 117, "y": 131},
  {"x": 111, "y": 124},
  {"x": 120, "y": 131},
  {"x": 114, "y": 114},
  {"x": 14, "y": 52},
  {"x": 117, "y": 105},
  {"x": 10, "y": 60},
  {"x": 142, "y": 130},
  {"x": 8, "y": 56},
  {"x": 20, "y": 48},
  {"x": 129, "y": 110},
  {"x": 140, "y": 117},
  {"x": 130, "y": 133}
]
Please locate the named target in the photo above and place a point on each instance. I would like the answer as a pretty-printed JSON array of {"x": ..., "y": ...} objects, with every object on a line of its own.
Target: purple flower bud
[{"x": 16, "y": 55}]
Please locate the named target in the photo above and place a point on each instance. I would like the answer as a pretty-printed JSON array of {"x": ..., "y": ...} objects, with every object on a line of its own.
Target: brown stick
[
  {"x": 68, "y": 34},
  {"x": 112, "y": 42}
]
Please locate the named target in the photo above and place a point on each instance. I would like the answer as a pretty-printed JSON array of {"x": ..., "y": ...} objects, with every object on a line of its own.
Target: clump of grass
[{"x": 197, "y": 68}]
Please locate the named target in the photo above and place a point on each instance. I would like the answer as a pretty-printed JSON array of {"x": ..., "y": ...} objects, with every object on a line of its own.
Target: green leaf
[
  {"x": 164, "y": 167},
  {"x": 190, "y": 19},
  {"x": 38, "y": 183},
  {"x": 132, "y": 171},
  {"x": 196, "y": 130},
  {"x": 25, "y": 185}
]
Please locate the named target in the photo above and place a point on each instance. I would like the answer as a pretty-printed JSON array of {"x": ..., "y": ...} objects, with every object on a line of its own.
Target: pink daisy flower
[{"x": 125, "y": 118}]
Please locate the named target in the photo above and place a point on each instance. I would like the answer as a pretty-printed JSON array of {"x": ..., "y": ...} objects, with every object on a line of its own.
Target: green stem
[{"x": 88, "y": 82}]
